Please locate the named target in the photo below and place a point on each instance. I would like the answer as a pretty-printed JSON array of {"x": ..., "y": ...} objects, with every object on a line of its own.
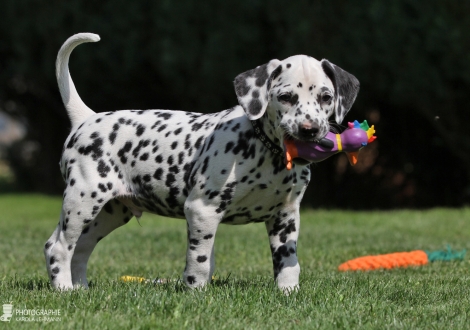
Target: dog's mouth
[{"x": 291, "y": 136}]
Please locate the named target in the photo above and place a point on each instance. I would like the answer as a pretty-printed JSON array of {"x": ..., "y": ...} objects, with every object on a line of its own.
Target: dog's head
[{"x": 298, "y": 95}]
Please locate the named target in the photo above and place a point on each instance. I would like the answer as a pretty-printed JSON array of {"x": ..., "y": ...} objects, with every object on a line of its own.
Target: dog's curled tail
[{"x": 76, "y": 109}]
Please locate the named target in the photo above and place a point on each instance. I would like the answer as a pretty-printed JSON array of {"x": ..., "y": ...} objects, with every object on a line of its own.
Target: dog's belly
[
  {"x": 239, "y": 212},
  {"x": 152, "y": 204}
]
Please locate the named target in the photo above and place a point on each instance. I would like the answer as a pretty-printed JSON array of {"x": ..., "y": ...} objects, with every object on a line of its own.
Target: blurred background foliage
[{"x": 411, "y": 57}]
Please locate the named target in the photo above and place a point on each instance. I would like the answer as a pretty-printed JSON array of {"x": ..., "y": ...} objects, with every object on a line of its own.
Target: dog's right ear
[{"x": 252, "y": 88}]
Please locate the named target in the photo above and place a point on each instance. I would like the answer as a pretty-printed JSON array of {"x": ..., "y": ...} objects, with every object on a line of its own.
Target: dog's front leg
[
  {"x": 283, "y": 231},
  {"x": 200, "y": 259}
]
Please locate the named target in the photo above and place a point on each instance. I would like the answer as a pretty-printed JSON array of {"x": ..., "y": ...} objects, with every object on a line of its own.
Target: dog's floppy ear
[
  {"x": 252, "y": 88},
  {"x": 346, "y": 88}
]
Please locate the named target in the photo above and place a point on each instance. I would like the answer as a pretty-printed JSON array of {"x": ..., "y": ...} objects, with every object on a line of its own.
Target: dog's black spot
[
  {"x": 125, "y": 149},
  {"x": 112, "y": 136},
  {"x": 198, "y": 143},
  {"x": 196, "y": 127},
  {"x": 165, "y": 115},
  {"x": 159, "y": 159},
  {"x": 255, "y": 107},
  {"x": 213, "y": 194},
  {"x": 229, "y": 146},
  {"x": 174, "y": 169},
  {"x": 103, "y": 169},
  {"x": 94, "y": 149},
  {"x": 102, "y": 187},
  {"x": 180, "y": 158},
  {"x": 294, "y": 99},
  {"x": 261, "y": 75},
  {"x": 191, "y": 279},
  {"x": 205, "y": 164},
  {"x": 140, "y": 130},
  {"x": 158, "y": 173}
]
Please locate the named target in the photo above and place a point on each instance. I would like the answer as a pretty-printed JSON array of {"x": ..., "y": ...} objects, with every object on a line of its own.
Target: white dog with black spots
[{"x": 225, "y": 167}]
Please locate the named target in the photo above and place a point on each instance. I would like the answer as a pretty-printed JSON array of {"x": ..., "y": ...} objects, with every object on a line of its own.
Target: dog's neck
[{"x": 267, "y": 126}]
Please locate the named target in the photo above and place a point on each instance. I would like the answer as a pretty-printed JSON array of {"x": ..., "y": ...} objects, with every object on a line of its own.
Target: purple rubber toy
[{"x": 354, "y": 138}]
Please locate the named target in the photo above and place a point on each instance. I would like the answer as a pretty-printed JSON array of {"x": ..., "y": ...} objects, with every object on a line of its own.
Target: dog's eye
[
  {"x": 326, "y": 98},
  {"x": 286, "y": 97}
]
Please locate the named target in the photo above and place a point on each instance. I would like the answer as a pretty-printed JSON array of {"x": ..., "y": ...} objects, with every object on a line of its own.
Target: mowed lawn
[{"x": 243, "y": 296}]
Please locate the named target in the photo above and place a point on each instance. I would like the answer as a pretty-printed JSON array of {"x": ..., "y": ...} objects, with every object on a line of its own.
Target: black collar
[{"x": 274, "y": 148}]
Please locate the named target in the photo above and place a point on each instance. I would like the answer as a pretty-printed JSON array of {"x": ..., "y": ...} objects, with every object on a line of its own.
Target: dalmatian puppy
[{"x": 225, "y": 167}]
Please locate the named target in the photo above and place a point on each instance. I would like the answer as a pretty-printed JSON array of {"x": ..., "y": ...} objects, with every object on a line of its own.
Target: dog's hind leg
[
  {"x": 200, "y": 259},
  {"x": 79, "y": 208},
  {"x": 56, "y": 257},
  {"x": 113, "y": 215}
]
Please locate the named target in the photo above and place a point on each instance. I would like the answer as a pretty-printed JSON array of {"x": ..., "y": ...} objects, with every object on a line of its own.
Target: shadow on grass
[{"x": 171, "y": 285}]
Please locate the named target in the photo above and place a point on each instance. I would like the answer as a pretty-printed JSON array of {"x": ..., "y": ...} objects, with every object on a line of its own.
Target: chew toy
[
  {"x": 137, "y": 279},
  {"x": 353, "y": 139},
  {"x": 400, "y": 259}
]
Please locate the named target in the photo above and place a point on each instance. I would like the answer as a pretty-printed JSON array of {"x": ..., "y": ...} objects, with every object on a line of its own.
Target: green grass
[{"x": 244, "y": 296}]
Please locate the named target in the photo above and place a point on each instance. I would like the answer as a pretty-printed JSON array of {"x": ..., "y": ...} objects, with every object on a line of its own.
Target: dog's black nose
[{"x": 308, "y": 131}]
